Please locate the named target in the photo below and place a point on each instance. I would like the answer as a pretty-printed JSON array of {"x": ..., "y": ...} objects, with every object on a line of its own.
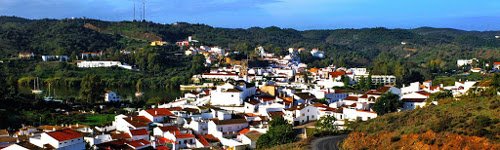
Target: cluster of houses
[{"x": 236, "y": 112}]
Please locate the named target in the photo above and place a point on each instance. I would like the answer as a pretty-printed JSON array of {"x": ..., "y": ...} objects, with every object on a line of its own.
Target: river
[{"x": 125, "y": 93}]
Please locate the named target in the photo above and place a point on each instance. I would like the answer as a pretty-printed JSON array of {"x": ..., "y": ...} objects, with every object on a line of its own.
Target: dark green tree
[
  {"x": 387, "y": 103},
  {"x": 346, "y": 80},
  {"x": 280, "y": 132},
  {"x": 91, "y": 88},
  {"x": 326, "y": 125},
  {"x": 368, "y": 84}
]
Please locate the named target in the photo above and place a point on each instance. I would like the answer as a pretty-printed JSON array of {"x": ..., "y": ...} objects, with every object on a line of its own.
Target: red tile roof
[
  {"x": 244, "y": 131},
  {"x": 184, "y": 136},
  {"x": 159, "y": 112},
  {"x": 424, "y": 93},
  {"x": 351, "y": 98},
  {"x": 275, "y": 114},
  {"x": 65, "y": 134},
  {"x": 162, "y": 148},
  {"x": 138, "y": 121},
  {"x": 138, "y": 143},
  {"x": 211, "y": 138},
  {"x": 163, "y": 140},
  {"x": 202, "y": 140},
  {"x": 139, "y": 132},
  {"x": 171, "y": 129},
  {"x": 115, "y": 135},
  {"x": 336, "y": 74},
  {"x": 496, "y": 63},
  {"x": 175, "y": 109}
]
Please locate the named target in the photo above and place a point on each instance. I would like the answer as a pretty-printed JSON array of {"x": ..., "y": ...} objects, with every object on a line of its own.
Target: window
[{"x": 340, "y": 116}]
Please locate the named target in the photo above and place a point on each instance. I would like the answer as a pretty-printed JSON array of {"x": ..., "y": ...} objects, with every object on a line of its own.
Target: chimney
[
  {"x": 190, "y": 38},
  {"x": 156, "y": 112}
]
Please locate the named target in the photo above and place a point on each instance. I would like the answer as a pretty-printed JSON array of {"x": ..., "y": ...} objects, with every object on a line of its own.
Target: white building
[
  {"x": 157, "y": 114},
  {"x": 221, "y": 128},
  {"x": 299, "y": 114},
  {"x": 65, "y": 139},
  {"x": 231, "y": 95},
  {"x": 104, "y": 64},
  {"x": 464, "y": 62},
  {"x": 378, "y": 79}
]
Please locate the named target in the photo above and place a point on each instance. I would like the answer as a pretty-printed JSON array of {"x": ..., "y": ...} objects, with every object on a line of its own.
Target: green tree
[
  {"x": 387, "y": 103},
  {"x": 346, "y": 80},
  {"x": 198, "y": 64},
  {"x": 91, "y": 88},
  {"x": 280, "y": 132},
  {"x": 361, "y": 83},
  {"x": 369, "y": 83},
  {"x": 326, "y": 125},
  {"x": 440, "y": 95}
]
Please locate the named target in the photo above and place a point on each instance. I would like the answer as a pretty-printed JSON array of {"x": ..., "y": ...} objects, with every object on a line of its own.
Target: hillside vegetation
[{"x": 468, "y": 123}]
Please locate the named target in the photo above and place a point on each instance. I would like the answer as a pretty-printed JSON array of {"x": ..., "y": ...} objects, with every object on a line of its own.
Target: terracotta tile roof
[
  {"x": 383, "y": 89},
  {"x": 138, "y": 143},
  {"x": 118, "y": 135},
  {"x": 139, "y": 132},
  {"x": 159, "y": 112},
  {"x": 202, "y": 140},
  {"x": 273, "y": 114},
  {"x": 162, "y": 148},
  {"x": 496, "y": 63},
  {"x": 163, "y": 140},
  {"x": 184, "y": 136},
  {"x": 138, "y": 121},
  {"x": 65, "y": 134},
  {"x": 267, "y": 98},
  {"x": 175, "y": 109},
  {"x": 244, "y": 131},
  {"x": 250, "y": 115},
  {"x": 351, "y": 98},
  {"x": 313, "y": 70},
  {"x": 171, "y": 129},
  {"x": 336, "y": 74},
  {"x": 211, "y": 138},
  {"x": 364, "y": 96},
  {"x": 253, "y": 102},
  {"x": 230, "y": 121},
  {"x": 424, "y": 93}
]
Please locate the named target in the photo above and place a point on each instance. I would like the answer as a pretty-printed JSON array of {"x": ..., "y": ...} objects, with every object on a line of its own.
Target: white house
[
  {"x": 158, "y": 115},
  {"x": 221, "y": 128},
  {"x": 300, "y": 114},
  {"x": 138, "y": 134},
  {"x": 125, "y": 123},
  {"x": 414, "y": 100},
  {"x": 231, "y": 95},
  {"x": 138, "y": 144},
  {"x": 65, "y": 139},
  {"x": 111, "y": 96}
]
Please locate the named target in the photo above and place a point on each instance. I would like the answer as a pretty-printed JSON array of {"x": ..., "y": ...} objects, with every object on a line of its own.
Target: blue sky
[{"x": 298, "y": 14}]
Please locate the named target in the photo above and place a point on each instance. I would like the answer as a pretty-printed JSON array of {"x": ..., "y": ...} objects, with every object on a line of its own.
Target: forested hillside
[{"x": 414, "y": 54}]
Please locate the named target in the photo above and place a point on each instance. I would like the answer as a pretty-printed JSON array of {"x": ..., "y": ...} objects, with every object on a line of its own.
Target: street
[{"x": 328, "y": 143}]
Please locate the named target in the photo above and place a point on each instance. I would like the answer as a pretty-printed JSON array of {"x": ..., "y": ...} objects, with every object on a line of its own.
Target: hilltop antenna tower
[
  {"x": 134, "y": 9},
  {"x": 144, "y": 10}
]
